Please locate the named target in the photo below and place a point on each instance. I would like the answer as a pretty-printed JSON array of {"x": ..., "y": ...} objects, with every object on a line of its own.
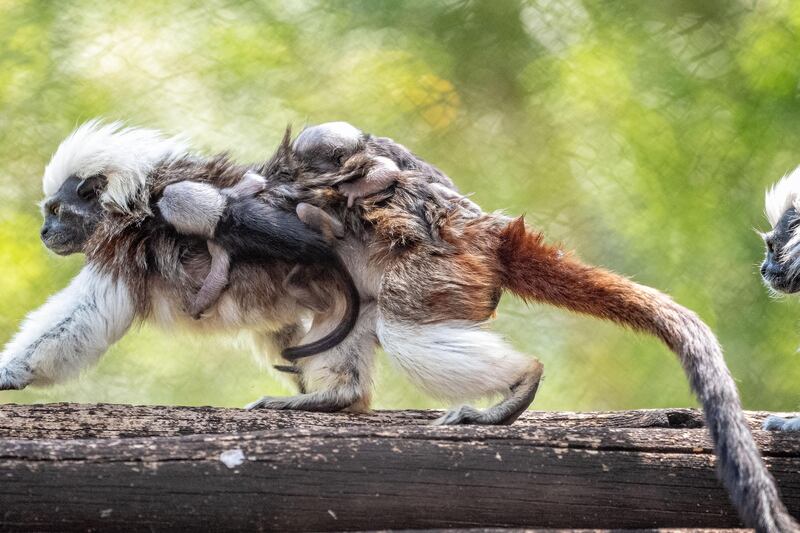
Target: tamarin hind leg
[
  {"x": 459, "y": 360},
  {"x": 505, "y": 412},
  {"x": 337, "y": 379}
]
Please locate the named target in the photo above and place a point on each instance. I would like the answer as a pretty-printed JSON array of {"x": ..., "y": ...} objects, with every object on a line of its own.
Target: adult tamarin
[
  {"x": 430, "y": 268},
  {"x": 781, "y": 267}
]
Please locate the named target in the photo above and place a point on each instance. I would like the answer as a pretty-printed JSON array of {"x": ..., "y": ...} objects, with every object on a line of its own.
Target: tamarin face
[
  {"x": 781, "y": 266},
  {"x": 71, "y": 214}
]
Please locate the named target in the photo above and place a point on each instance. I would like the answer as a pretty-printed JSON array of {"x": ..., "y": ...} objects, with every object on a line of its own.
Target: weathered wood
[{"x": 70, "y": 467}]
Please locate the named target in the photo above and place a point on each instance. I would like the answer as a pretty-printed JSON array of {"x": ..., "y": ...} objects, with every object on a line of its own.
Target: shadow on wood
[{"x": 108, "y": 467}]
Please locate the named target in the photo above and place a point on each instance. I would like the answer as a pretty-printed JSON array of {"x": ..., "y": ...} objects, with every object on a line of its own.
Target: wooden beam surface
[{"x": 115, "y": 468}]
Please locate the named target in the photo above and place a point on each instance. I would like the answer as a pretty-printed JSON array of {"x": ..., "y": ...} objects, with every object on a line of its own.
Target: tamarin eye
[{"x": 55, "y": 209}]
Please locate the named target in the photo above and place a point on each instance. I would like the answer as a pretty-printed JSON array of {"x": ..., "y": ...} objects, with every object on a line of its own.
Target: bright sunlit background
[{"x": 641, "y": 134}]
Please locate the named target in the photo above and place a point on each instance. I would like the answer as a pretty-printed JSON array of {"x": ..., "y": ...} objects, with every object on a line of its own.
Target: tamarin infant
[
  {"x": 240, "y": 227},
  {"x": 361, "y": 165}
]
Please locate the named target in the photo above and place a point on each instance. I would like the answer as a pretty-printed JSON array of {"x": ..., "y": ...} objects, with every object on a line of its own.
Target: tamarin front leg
[
  {"x": 69, "y": 332},
  {"x": 778, "y": 423}
]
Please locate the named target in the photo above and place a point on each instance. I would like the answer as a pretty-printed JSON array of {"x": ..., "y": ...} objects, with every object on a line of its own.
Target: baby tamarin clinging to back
[
  {"x": 238, "y": 226},
  {"x": 367, "y": 165}
]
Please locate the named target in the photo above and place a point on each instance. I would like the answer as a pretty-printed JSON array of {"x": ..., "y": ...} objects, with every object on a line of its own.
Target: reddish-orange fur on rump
[{"x": 535, "y": 270}]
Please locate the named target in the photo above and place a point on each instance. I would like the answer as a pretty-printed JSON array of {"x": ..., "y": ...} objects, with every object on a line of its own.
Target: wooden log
[{"x": 117, "y": 468}]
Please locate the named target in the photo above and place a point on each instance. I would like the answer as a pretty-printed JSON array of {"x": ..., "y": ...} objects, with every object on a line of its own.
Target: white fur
[
  {"x": 453, "y": 360},
  {"x": 192, "y": 208},
  {"x": 69, "y": 332},
  {"x": 124, "y": 155},
  {"x": 783, "y": 195},
  {"x": 250, "y": 185}
]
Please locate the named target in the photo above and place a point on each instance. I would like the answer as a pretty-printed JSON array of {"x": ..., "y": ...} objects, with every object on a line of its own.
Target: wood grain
[{"x": 118, "y": 468}]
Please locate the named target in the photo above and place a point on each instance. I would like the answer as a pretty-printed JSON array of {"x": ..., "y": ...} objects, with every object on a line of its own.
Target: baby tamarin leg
[
  {"x": 215, "y": 282},
  {"x": 300, "y": 281},
  {"x": 321, "y": 221}
]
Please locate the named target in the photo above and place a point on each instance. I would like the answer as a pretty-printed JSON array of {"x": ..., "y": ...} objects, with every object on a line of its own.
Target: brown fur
[
  {"x": 537, "y": 271},
  {"x": 439, "y": 262},
  {"x": 154, "y": 259}
]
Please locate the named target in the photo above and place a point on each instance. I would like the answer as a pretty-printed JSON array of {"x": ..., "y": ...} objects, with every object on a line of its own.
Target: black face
[
  {"x": 779, "y": 269},
  {"x": 71, "y": 215}
]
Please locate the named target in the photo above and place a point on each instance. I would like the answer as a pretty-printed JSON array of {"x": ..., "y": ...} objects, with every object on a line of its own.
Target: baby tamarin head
[{"x": 192, "y": 208}]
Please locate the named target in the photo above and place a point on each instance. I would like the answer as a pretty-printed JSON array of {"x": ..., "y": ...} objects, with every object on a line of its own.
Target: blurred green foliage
[{"x": 642, "y": 134}]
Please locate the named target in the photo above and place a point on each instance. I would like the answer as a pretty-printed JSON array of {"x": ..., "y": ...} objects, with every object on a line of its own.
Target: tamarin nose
[
  {"x": 764, "y": 268},
  {"x": 44, "y": 232}
]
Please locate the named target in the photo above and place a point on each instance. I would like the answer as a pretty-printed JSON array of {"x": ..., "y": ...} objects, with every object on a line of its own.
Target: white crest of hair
[
  {"x": 192, "y": 208},
  {"x": 783, "y": 195},
  {"x": 124, "y": 155}
]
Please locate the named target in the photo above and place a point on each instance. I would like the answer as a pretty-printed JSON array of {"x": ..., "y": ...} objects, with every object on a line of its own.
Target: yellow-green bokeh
[{"x": 642, "y": 134}]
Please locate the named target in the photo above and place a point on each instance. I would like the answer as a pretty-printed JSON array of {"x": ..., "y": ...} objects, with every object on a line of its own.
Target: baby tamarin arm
[
  {"x": 371, "y": 175},
  {"x": 315, "y": 218},
  {"x": 215, "y": 282}
]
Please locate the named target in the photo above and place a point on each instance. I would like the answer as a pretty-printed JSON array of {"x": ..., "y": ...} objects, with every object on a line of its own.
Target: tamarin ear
[{"x": 91, "y": 187}]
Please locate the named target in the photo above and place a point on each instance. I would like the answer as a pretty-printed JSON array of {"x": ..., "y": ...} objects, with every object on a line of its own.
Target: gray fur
[
  {"x": 325, "y": 145},
  {"x": 778, "y": 423},
  {"x": 250, "y": 185},
  {"x": 192, "y": 208}
]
